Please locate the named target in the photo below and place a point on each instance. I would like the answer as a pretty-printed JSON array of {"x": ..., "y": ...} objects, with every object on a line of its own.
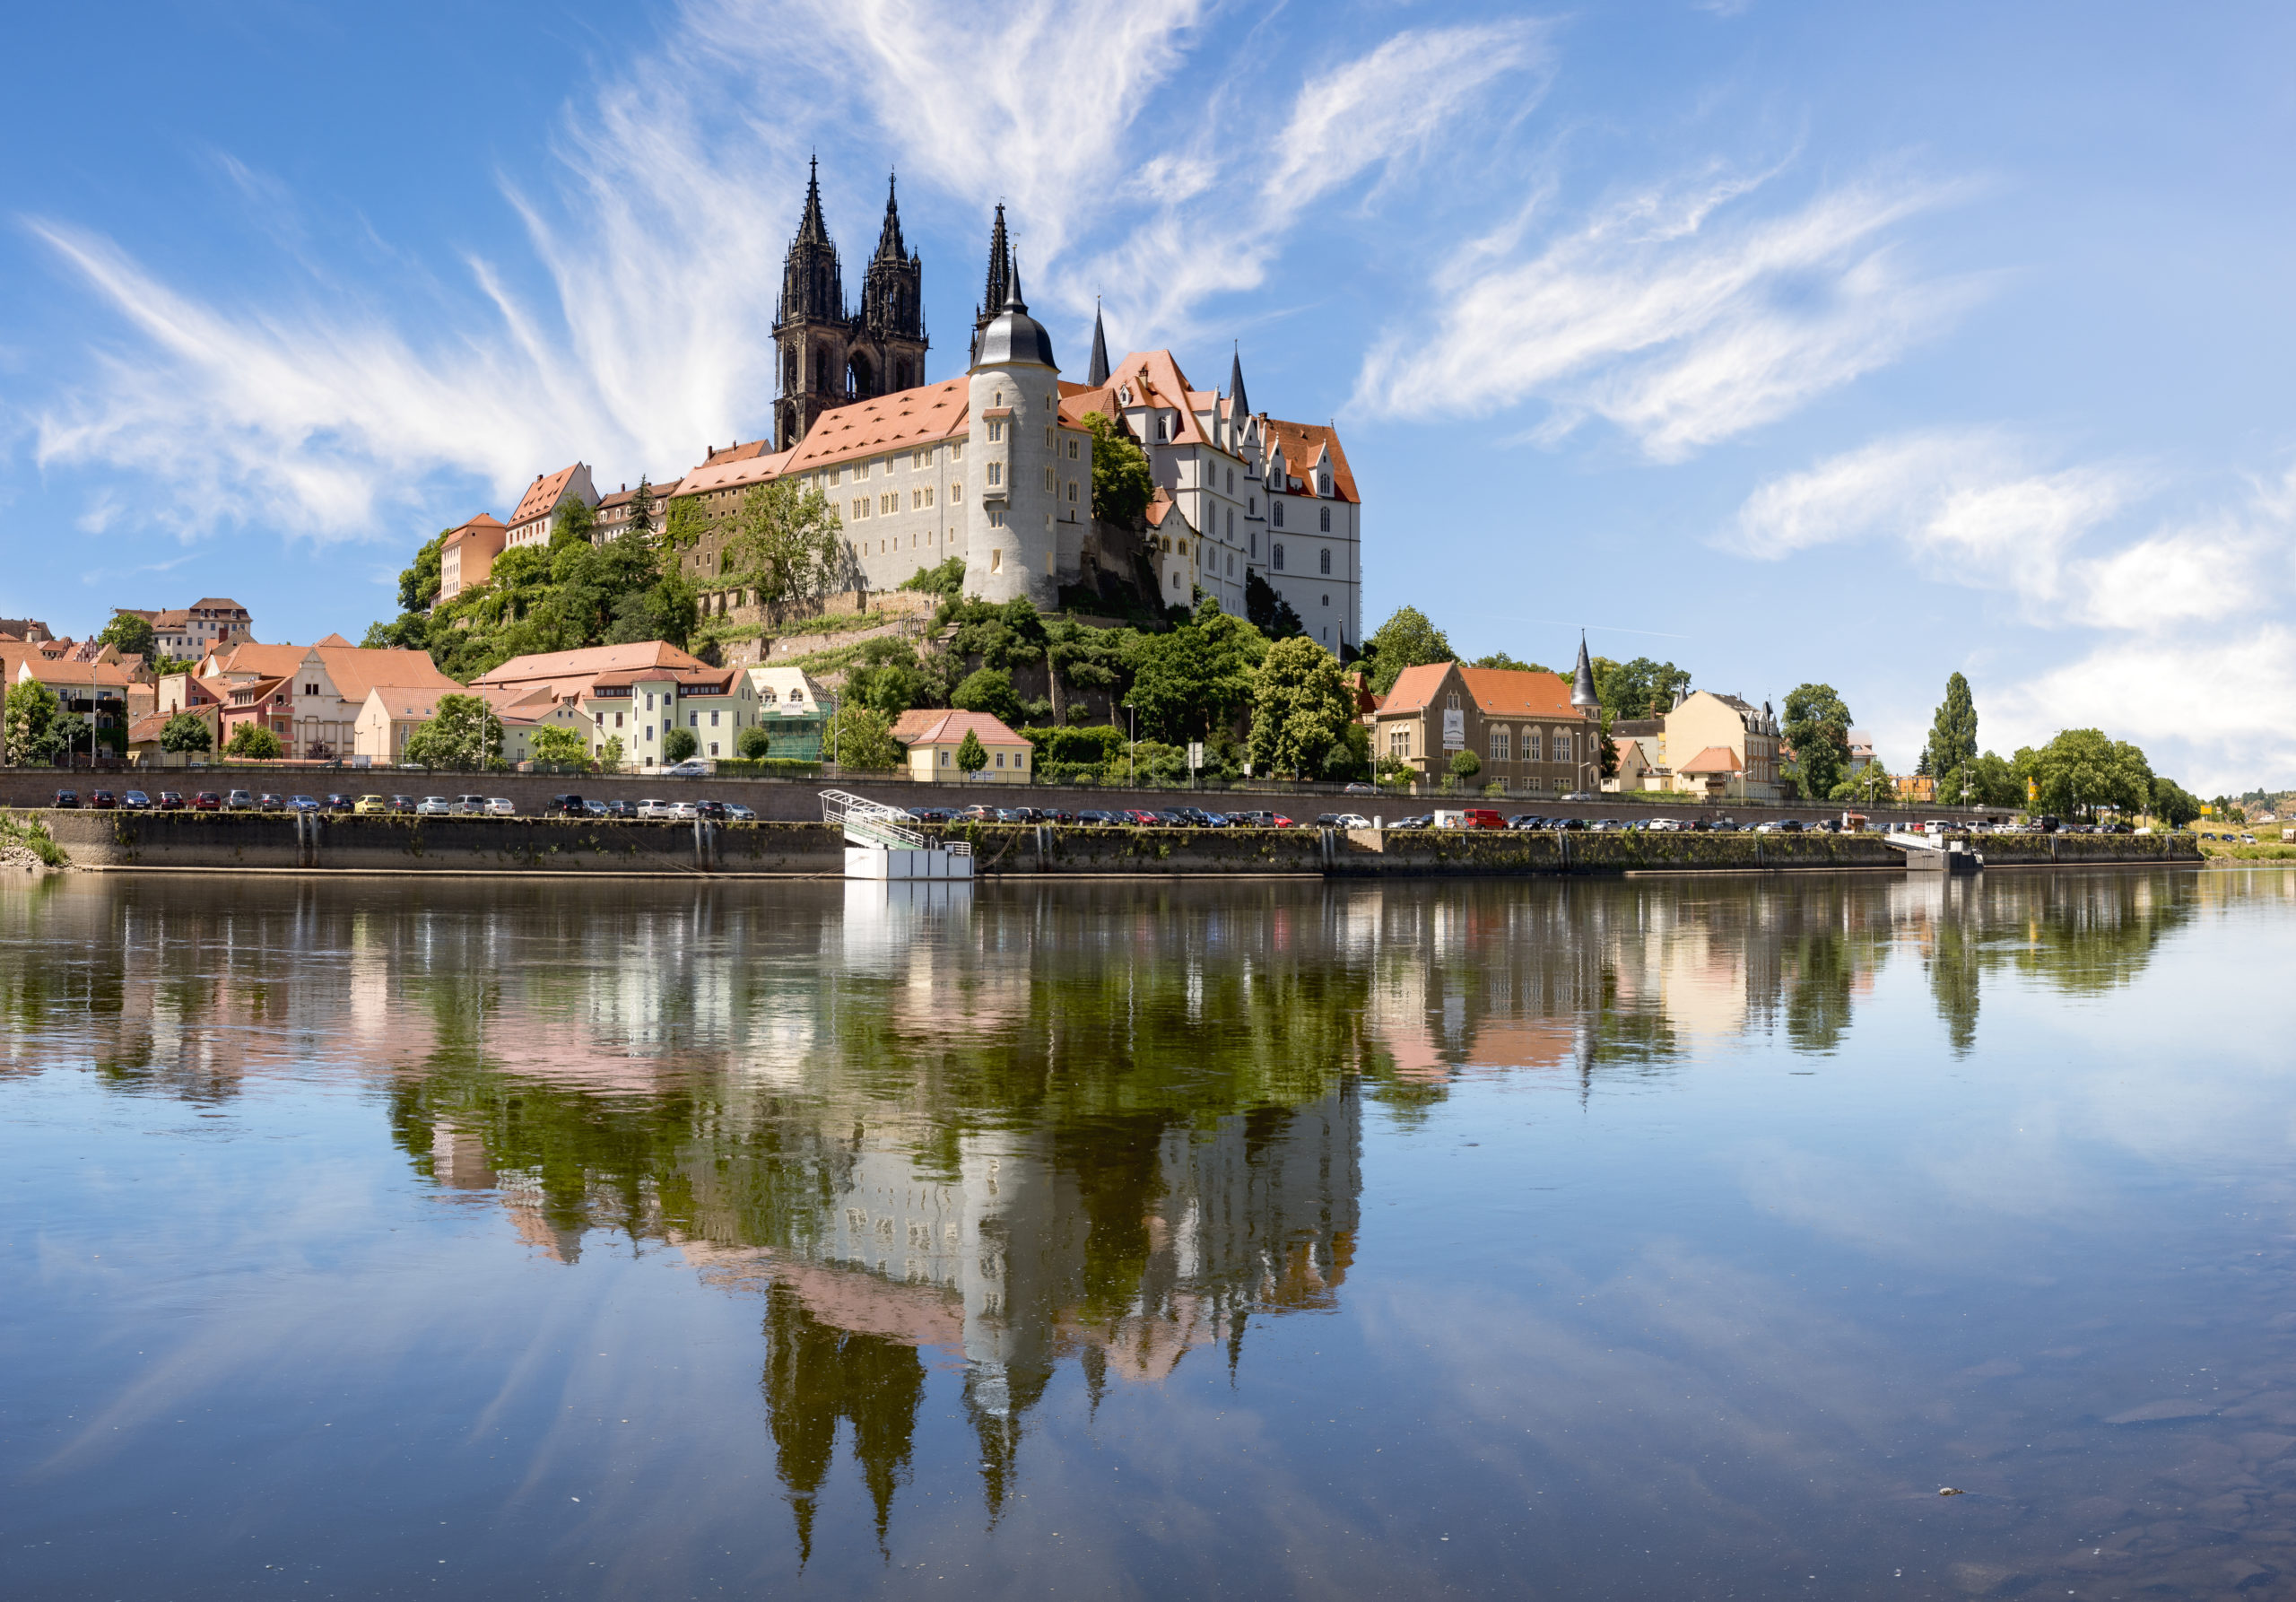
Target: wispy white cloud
[
  {"x": 2178, "y": 599},
  {"x": 633, "y": 331},
  {"x": 1677, "y": 312}
]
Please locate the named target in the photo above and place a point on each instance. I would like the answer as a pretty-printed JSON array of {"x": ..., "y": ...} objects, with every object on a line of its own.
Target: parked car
[
  {"x": 267, "y": 802},
  {"x": 655, "y": 808},
  {"x": 1526, "y": 819},
  {"x": 1138, "y": 816},
  {"x": 370, "y": 805},
  {"x": 102, "y": 800},
  {"x": 500, "y": 806},
  {"x": 1582, "y": 795},
  {"x": 931, "y": 815},
  {"x": 136, "y": 801},
  {"x": 239, "y": 801},
  {"x": 566, "y": 807},
  {"x": 67, "y": 799},
  {"x": 302, "y": 804},
  {"x": 1425, "y": 819},
  {"x": 622, "y": 809},
  {"x": 341, "y": 802},
  {"x": 1097, "y": 818},
  {"x": 207, "y": 801},
  {"x": 714, "y": 810},
  {"x": 736, "y": 812},
  {"x": 403, "y": 804},
  {"x": 1359, "y": 788},
  {"x": 693, "y": 768},
  {"x": 435, "y": 807},
  {"x": 171, "y": 801},
  {"x": 1665, "y": 825},
  {"x": 471, "y": 806}
]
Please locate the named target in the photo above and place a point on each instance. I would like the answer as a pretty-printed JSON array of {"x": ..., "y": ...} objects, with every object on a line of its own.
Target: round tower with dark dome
[{"x": 1013, "y": 438}]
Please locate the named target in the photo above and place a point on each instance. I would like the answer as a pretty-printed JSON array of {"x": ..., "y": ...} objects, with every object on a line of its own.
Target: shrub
[
  {"x": 752, "y": 743},
  {"x": 1088, "y": 746},
  {"x": 769, "y": 767},
  {"x": 679, "y": 743},
  {"x": 254, "y": 741}
]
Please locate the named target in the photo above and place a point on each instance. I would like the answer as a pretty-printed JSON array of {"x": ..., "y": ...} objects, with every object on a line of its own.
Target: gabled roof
[
  {"x": 217, "y": 603},
  {"x": 544, "y": 494},
  {"x": 1714, "y": 759},
  {"x": 1303, "y": 443},
  {"x": 1162, "y": 509},
  {"x": 732, "y": 472},
  {"x": 934, "y": 726},
  {"x": 262, "y": 661},
  {"x": 21, "y": 661},
  {"x": 482, "y": 527},
  {"x": 713, "y": 455},
  {"x": 569, "y": 673},
  {"x": 1496, "y": 691},
  {"x": 905, "y": 419}
]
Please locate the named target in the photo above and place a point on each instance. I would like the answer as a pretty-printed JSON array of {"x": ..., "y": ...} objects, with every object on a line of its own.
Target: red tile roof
[
  {"x": 1303, "y": 443},
  {"x": 906, "y": 418},
  {"x": 933, "y": 724},
  {"x": 1714, "y": 759},
  {"x": 543, "y": 496}
]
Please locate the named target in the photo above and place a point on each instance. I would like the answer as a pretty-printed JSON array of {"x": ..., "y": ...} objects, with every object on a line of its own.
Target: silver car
[{"x": 435, "y": 807}]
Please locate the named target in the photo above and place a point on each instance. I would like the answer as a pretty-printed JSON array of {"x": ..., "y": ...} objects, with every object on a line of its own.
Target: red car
[
  {"x": 207, "y": 801},
  {"x": 103, "y": 801},
  {"x": 171, "y": 801}
]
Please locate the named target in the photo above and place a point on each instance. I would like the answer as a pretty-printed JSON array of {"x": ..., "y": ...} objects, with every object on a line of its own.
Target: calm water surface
[{"x": 1654, "y": 1238}]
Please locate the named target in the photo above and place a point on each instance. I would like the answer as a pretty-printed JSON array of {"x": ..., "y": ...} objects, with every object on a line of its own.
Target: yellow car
[{"x": 371, "y": 804}]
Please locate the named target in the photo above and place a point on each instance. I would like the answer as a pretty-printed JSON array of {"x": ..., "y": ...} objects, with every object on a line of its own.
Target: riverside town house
[
  {"x": 995, "y": 467},
  {"x": 1533, "y": 734}
]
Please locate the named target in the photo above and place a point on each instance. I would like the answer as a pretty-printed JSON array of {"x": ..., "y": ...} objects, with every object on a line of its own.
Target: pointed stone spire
[
  {"x": 1013, "y": 301},
  {"x": 889, "y": 240},
  {"x": 811, "y": 229},
  {"x": 1097, "y": 375},
  {"x": 1000, "y": 267},
  {"x": 1237, "y": 403},
  {"x": 1582, "y": 682}
]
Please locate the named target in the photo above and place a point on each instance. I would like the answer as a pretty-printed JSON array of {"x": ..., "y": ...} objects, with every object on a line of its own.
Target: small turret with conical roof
[
  {"x": 1013, "y": 404},
  {"x": 1582, "y": 682}
]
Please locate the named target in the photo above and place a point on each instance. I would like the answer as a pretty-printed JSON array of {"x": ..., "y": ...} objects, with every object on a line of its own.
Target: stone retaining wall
[{"x": 227, "y": 841}]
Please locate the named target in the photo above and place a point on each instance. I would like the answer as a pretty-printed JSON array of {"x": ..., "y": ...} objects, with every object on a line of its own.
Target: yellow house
[
  {"x": 933, "y": 735},
  {"x": 1723, "y": 746}
]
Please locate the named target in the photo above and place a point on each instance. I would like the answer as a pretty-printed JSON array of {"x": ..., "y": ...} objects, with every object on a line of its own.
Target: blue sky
[{"x": 1858, "y": 344}]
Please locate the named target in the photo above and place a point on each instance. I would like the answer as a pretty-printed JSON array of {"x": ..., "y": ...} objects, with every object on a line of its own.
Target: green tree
[
  {"x": 1121, "y": 483},
  {"x": 575, "y": 520},
  {"x": 1081, "y": 657},
  {"x": 1301, "y": 708},
  {"x": 641, "y": 512},
  {"x": 1194, "y": 678},
  {"x": 684, "y": 524},
  {"x": 679, "y": 743},
  {"x": 418, "y": 584},
  {"x": 972, "y": 756},
  {"x": 131, "y": 635},
  {"x": 990, "y": 690},
  {"x": 185, "y": 731},
  {"x": 1817, "y": 727},
  {"x": 752, "y": 743},
  {"x": 1870, "y": 784},
  {"x": 1642, "y": 688},
  {"x": 255, "y": 742},
  {"x": 35, "y": 722},
  {"x": 856, "y": 736},
  {"x": 1992, "y": 782},
  {"x": 783, "y": 543},
  {"x": 2172, "y": 803},
  {"x": 560, "y": 746},
  {"x": 2081, "y": 769},
  {"x": 1406, "y": 640},
  {"x": 610, "y": 754},
  {"x": 1951, "y": 751},
  {"x": 946, "y": 580},
  {"x": 1466, "y": 765},
  {"x": 1267, "y": 609},
  {"x": 887, "y": 677},
  {"x": 1501, "y": 659},
  {"x": 462, "y": 731}
]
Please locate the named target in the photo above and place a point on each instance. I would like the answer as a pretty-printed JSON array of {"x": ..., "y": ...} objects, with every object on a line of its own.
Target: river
[{"x": 1640, "y": 1238}]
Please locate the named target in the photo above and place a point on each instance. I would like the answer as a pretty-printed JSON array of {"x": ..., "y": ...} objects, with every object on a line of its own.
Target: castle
[{"x": 995, "y": 467}]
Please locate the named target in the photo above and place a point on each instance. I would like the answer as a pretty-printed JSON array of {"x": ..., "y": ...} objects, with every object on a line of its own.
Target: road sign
[{"x": 1195, "y": 754}]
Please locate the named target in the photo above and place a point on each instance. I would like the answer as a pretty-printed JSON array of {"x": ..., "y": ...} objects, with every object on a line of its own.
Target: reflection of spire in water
[{"x": 815, "y": 1375}]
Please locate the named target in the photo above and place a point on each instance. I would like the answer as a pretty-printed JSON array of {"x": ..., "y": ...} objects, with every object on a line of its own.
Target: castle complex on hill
[{"x": 995, "y": 467}]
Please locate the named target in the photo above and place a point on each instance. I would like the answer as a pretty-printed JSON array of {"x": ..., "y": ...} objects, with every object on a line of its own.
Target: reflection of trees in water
[{"x": 818, "y": 1376}]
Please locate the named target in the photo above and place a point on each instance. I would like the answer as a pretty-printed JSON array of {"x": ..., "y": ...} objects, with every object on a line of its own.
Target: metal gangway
[
  {"x": 880, "y": 843},
  {"x": 1929, "y": 853}
]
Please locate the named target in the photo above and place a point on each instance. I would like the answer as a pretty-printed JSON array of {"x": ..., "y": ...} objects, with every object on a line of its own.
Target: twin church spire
[{"x": 828, "y": 353}]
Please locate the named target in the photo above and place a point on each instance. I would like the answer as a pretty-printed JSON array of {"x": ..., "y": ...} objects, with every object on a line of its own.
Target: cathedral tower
[
  {"x": 810, "y": 331},
  {"x": 888, "y": 349},
  {"x": 1014, "y": 399}
]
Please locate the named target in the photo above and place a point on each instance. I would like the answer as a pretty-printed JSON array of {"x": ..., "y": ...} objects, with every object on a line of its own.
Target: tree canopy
[
  {"x": 1121, "y": 485},
  {"x": 972, "y": 756},
  {"x": 1267, "y": 611},
  {"x": 185, "y": 731},
  {"x": 1817, "y": 727},
  {"x": 1301, "y": 708},
  {"x": 2082, "y": 768},
  {"x": 1642, "y": 688},
  {"x": 855, "y": 737},
  {"x": 1952, "y": 750},
  {"x": 1406, "y": 640},
  {"x": 1195, "y": 677},
  {"x": 253, "y": 740},
  {"x": 133, "y": 636},
  {"x": 35, "y": 727},
  {"x": 462, "y": 731},
  {"x": 785, "y": 543}
]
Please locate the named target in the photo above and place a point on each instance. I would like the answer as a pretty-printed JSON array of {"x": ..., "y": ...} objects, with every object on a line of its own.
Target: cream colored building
[
  {"x": 934, "y": 737},
  {"x": 1723, "y": 747},
  {"x": 467, "y": 556},
  {"x": 530, "y": 523},
  {"x": 318, "y": 693}
]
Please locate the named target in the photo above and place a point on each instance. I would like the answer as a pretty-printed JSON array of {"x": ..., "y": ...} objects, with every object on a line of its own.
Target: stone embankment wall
[{"x": 231, "y": 840}]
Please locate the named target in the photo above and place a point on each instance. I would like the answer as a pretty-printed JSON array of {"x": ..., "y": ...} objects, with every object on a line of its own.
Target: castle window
[
  {"x": 996, "y": 560},
  {"x": 1048, "y": 483},
  {"x": 1231, "y": 480},
  {"x": 996, "y": 430},
  {"x": 956, "y": 493},
  {"x": 922, "y": 458},
  {"x": 1071, "y": 491},
  {"x": 956, "y": 450},
  {"x": 1072, "y": 447},
  {"x": 1050, "y": 442},
  {"x": 1275, "y": 513},
  {"x": 1276, "y": 551},
  {"x": 997, "y": 516},
  {"x": 1326, "y": 600},
  {"x": 995, "y": 473},
  {"x": 888, "y": 503},
  {"x": 1503, "y": 742},
  {"x": 1231, "y": 517},
  {"x": 1251, "y": 506},
  {"x": 1531, "y": 745},
  {"x": 1327, "y": 561},
  {"x": 1326, "y": 516}
]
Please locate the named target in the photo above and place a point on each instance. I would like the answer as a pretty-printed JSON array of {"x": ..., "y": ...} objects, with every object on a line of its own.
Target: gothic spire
[
  {"x": 1013, "y": 301},
  {"x": 1097, "y": 374},
  {"x": 811, "y": 229},
  {"x": 1238, "y": 405},
  {"x": 1582, "y": 682},
  {"x": 889, "y": 240},
  {"x": 1000, "y": 268}
]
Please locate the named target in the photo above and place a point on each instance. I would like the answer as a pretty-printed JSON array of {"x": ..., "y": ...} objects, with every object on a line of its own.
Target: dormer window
[{"x": 1124, "y": 394}]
